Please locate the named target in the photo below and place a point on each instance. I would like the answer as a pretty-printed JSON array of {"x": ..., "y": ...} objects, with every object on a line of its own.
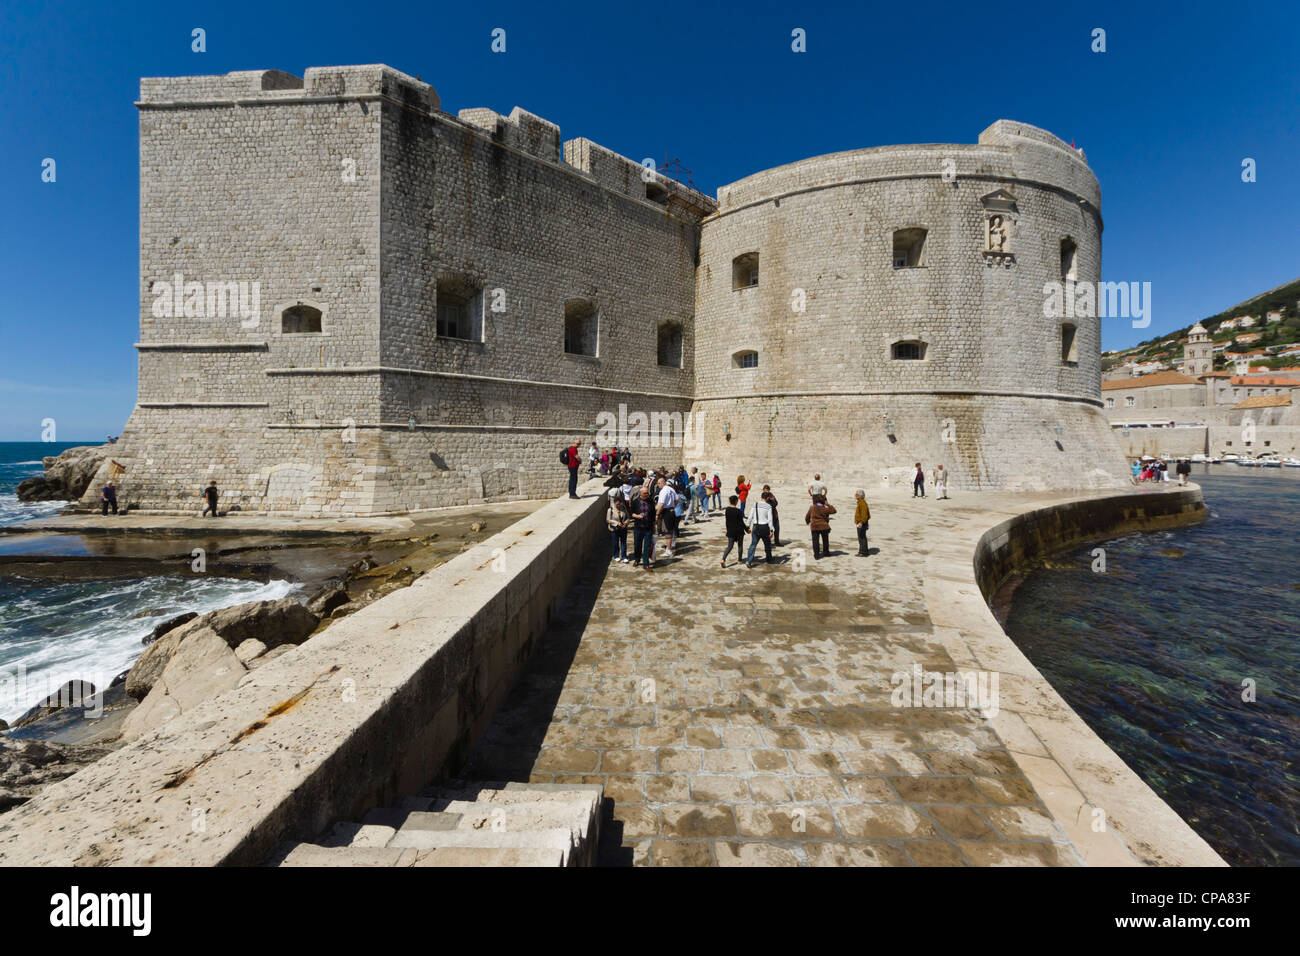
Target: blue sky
[{"x": 1166, "y": 115}]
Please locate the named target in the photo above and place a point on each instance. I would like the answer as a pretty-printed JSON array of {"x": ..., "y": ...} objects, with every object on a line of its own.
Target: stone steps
[{"x": 465, "y": 824}]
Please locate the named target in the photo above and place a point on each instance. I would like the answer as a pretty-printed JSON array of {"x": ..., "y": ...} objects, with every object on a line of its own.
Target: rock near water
[
  {"x": 67, "y": 476},
  {"x": 28, "y": 766},
  {"x": 271, "y": 622}
]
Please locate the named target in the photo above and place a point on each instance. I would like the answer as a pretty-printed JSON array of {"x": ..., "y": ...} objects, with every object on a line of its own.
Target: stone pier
[{"x": 744, "y": 717}]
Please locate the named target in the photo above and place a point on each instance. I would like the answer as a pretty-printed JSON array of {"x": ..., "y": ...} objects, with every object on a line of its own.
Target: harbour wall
[{"x": 1111, "y": 815}]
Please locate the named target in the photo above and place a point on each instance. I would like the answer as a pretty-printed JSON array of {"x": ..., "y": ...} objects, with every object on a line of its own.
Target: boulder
[
  {"x": 402, "y": 576},
  {"x": 270, "y": 655},
  {"x": 67, "y": 475},
  {"x": 345, "y": 610},
  {"x": 202, "y": 667},
  {"x": 252, "y": 648},
  {"x": 4, "y": 725},
  {"x": 166, "y": 626},
  {"x": 272, "y": 622},
  {"x": 72, "y": 694},
  {"x": 28, "y": 766},
  {"x": 149, "y": 666},
  {"x": 359, "y": 567},
  {"x": 154, "y": 711},
  {"x": 326, "y": 600}
]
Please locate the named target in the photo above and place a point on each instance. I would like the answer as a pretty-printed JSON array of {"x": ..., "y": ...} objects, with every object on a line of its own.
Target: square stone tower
[{"x": 353, "y": 302}]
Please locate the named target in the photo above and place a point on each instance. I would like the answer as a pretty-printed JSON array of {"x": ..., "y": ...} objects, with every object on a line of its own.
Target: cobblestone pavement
[{"x": 743, "y": 717}]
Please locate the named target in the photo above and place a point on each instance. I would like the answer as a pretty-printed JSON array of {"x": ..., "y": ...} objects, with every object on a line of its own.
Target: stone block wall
[
  {"x": 992, "y": 382},
  {"x": 351, "y": 195},
  {"x": 349, "y": 192}
]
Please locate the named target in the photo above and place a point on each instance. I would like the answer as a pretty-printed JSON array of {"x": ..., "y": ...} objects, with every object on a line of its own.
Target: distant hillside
[{"x": 1285, "y": 299}]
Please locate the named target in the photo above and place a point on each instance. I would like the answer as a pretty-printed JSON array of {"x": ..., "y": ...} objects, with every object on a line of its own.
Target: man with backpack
[{"x": 569, "y": 458}]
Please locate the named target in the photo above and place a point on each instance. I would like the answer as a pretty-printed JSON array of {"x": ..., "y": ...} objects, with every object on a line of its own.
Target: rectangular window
[
  {"x": 453, "y": 320},
  {"x": 459, "y": 310}
]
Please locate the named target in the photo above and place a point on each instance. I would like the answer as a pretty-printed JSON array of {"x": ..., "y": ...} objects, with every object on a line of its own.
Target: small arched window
[
  {"x": 744, "y": 271},
  {"x": 907, "y": 351},
  {"x": 747, "y": 358},
  {"x": 300, "y": 318}
]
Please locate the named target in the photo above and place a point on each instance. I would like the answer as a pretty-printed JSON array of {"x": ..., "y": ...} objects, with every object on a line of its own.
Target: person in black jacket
[
  {"x": 643, "y": 527},
  {"x": 735, "y": 531},
  {"x": 776, "y": 517},
  {"x": 1184, "y": 468}
]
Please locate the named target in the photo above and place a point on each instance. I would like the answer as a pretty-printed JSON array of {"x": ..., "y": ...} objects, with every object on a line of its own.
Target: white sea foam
[
  {"x": 51, "y": 633},
  {"x": 13, "y": 511}
]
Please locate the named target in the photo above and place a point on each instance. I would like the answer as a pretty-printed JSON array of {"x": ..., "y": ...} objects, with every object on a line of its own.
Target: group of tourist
[
  {"x": 1157, "y": 469},
  {"x": 653, "y": 505}
]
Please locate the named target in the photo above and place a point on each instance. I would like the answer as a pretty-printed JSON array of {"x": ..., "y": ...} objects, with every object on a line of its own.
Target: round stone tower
[{"x": 862, "y": 311}]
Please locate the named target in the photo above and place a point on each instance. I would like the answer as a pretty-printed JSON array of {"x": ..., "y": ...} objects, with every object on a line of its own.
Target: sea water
[
  {"x": 55, "y": 631},
  {"x": 1161, "y": 653}
]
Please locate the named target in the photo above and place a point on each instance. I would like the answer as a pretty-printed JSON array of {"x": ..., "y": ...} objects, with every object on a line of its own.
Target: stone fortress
[{"x": 353, "y": 302}]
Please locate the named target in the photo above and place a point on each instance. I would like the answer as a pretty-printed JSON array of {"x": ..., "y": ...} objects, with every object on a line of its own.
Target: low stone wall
[
  {"x": 1109, "y": 814},
  {"x": 1021, "y": 540},
  {"x": 372, "y": 709}
]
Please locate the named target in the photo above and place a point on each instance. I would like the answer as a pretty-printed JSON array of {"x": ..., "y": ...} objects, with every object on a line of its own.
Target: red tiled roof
[
  {"x": 1150, "y": 381},
  {"x": 1265, "y": 380}
]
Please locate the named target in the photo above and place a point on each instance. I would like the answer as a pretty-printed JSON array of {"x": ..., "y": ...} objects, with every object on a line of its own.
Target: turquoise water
[{"x": 1153, "y": 653}]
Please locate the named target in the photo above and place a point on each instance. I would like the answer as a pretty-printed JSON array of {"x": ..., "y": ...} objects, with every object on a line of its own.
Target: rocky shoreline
[
  {"x": 67, "y": 475},
  {"x": 190, "y": 658}
]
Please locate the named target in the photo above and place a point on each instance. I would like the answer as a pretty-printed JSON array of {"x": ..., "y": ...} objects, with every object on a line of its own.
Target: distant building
[
  {"x": 1273, "y": 317},
  {"x": 1198, "y": 355}
]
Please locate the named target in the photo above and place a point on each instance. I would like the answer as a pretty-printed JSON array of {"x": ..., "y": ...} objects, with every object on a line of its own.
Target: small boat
[
  {"x": 1229, "y": 456},
  {"x": 1291, "y": 462},
  {"x": 1199, "y": 459}
]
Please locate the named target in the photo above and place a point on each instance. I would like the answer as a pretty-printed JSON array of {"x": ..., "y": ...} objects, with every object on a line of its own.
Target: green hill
[{"x": 1284, "y": 298}]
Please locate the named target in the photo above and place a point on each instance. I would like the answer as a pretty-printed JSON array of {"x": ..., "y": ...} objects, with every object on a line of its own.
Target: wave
[
  {"x": 13, "y": 511},
  {"x": 51, "y": 633}
]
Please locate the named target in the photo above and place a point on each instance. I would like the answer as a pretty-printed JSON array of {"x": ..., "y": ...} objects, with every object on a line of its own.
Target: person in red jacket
[
  {"x": 742, "y": 491},
  {"x": 573, "y": 463}
]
